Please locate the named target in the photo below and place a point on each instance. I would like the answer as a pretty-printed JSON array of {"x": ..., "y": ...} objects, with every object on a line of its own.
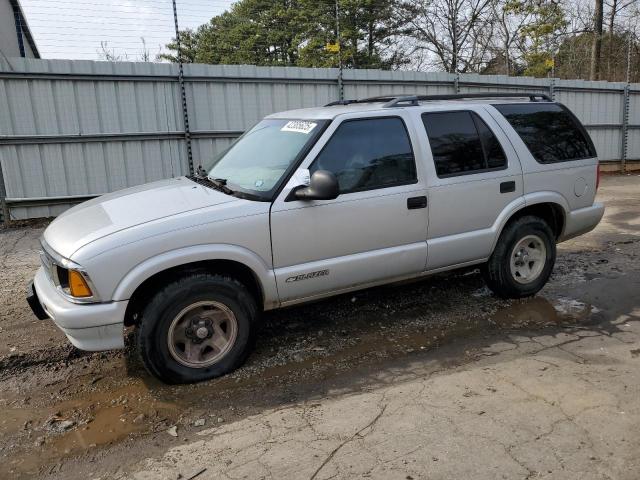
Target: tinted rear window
[{"x": 549, "y": 130}]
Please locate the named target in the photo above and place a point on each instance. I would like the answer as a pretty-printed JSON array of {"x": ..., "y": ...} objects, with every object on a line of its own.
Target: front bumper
[
  {"x": 92, "y": 327},
  {"x": 34, "y": 303}
]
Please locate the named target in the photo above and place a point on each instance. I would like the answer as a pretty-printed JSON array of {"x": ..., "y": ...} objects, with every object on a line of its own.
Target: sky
[{"x": 74, "y": 29}]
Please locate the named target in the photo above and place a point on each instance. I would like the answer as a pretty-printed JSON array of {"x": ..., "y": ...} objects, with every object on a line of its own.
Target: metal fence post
[
  {"x": 185, "y": 113},
  {"x": 4, "y": 208},
  {"x": 625, "y": 127},
  {"x": 340, "y": 80},
  {"x": 552, "y": 88},
  {"x": 456, "y": 83}
]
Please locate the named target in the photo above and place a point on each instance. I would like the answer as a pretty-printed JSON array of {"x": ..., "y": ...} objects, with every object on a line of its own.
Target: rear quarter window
[{"x": 549, "y": 130}]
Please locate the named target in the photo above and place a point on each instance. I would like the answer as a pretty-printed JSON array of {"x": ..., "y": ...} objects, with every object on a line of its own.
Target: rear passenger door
[{"x": 475, "y": 176}]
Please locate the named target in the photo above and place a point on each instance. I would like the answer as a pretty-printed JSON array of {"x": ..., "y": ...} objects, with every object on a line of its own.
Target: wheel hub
[
  {"x": 202, "y": 333},
  {"x": 528, "y": 259},
  {"x": 522, "y": 256},
  {"x": 200, "y": 329}
]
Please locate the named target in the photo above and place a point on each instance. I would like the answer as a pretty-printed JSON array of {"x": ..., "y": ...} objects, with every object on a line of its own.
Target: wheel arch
[
  {"x": 551, "y": 208},
  {"x": 142, "y": 281}
]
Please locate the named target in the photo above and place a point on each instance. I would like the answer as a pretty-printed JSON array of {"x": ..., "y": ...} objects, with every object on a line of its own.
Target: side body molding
[{"x": 174, "y": 258}]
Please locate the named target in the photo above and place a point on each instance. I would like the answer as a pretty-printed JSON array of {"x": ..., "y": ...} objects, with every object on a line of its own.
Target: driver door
[{"x": 375, "y": 230}]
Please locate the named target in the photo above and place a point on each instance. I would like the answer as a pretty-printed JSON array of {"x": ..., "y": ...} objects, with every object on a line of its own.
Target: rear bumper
[
  {"x": 93, "y": 327},
  {"x": 582, "y": 221}
]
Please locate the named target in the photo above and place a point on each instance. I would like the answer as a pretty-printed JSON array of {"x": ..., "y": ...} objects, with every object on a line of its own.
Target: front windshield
[{"x": 259, "y": 159}]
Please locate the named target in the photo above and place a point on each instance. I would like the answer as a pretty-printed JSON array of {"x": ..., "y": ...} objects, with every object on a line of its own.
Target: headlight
[{"x": 69, "y": 277}]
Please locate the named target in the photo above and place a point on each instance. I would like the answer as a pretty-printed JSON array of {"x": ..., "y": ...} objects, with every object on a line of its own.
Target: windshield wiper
[
  {"x": 221, "y": 184},
  {"x": 202, "y": 178}
]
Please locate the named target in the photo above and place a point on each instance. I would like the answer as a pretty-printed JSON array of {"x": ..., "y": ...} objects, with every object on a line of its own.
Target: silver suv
[{"x": 316, "y": 202}]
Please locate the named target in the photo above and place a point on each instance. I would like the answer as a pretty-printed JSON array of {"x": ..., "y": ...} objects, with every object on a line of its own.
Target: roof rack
[
  {"x": 342, "y": 102},
  {"x": 413, "y": 100}
]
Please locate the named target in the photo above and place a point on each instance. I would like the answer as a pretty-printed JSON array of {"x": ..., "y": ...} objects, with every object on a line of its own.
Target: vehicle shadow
[
  {"x": 353, "y": 341},
  {"x": 366, "y": 340}
]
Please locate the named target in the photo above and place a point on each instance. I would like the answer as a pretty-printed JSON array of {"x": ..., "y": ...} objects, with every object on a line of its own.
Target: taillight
[{"x": 597, "y": 176}]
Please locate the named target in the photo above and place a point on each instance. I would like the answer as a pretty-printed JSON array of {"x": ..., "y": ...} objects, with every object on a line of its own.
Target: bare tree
[
  {"x": 108, "y": 54},
  {"x": 450, "y": 30},
  {"x": 510, "y": 23},
  {"x": 145, "y": 56},
  {"x": 596, "y": 47},
  {"x": 615, "y": 7}
]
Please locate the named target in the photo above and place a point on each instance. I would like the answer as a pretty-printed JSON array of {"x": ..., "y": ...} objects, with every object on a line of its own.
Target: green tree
[
  {"x": 296, "y": 32},
  {"x": 189, "y": 42},
  {"x": 539, "y": 39}
]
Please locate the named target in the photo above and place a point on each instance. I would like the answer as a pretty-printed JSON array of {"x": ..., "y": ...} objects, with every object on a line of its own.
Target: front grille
[{"x": 47, "y": 263}]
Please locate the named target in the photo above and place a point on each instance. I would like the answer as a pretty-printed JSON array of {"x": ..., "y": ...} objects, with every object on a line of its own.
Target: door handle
[
  {"x": 507, "y": 187},
  {"x": 416, "y": 202}
]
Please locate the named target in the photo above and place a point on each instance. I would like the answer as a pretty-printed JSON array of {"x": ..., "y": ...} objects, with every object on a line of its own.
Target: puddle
[
  {"x": 97, "y": 418},
  {"x": 114, "y": 415},
  {"x": 116, "y": 406},
  {"x": 540, "y": 312}
]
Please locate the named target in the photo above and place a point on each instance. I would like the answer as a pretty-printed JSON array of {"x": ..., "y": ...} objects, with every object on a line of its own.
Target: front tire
[
  {"x": 198, "y": 327},
  {"x": 522, "y": 260}
]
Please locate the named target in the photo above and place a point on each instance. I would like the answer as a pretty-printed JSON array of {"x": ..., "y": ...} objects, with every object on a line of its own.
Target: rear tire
[
  {"x": 198, "y": 327},
  {"x": 522, "y": 260}
]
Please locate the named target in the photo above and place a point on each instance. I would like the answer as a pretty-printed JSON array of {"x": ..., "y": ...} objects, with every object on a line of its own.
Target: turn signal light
[{"x": 78, "y": 285}]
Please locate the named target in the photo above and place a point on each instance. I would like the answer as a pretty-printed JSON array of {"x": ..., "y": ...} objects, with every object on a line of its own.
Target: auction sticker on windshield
[{"x": 299, "y": 126}]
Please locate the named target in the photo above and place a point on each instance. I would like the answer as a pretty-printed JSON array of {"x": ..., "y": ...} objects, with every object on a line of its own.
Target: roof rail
[
  {"x": 413, "y": 100},
  {"x": 382, "y": 98},
  {"x": 342, "y": 102}
]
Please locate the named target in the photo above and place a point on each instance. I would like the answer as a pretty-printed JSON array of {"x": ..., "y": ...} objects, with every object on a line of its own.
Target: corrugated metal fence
[{"x": 70, "y": 130}]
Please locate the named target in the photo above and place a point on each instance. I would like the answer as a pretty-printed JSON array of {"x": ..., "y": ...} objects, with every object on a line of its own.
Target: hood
[{"x": 127, "y": 208}]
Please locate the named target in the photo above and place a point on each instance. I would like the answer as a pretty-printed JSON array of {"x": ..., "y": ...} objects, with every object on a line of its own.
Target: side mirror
[{"x": 323, "y": 185}]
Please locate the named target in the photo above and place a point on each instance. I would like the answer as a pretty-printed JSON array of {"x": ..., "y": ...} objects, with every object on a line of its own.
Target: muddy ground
[{"x": 70, "y": 414}]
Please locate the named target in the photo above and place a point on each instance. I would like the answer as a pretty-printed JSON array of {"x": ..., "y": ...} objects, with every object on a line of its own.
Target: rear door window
[
  {"x": 493, "y": 152},
  {"x": 549, "y": 130},
  {"x": 462, "y": 143}
]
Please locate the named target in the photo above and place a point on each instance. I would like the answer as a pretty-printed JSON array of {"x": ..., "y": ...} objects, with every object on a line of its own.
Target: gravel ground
[{"x": 71, "y": 414}]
